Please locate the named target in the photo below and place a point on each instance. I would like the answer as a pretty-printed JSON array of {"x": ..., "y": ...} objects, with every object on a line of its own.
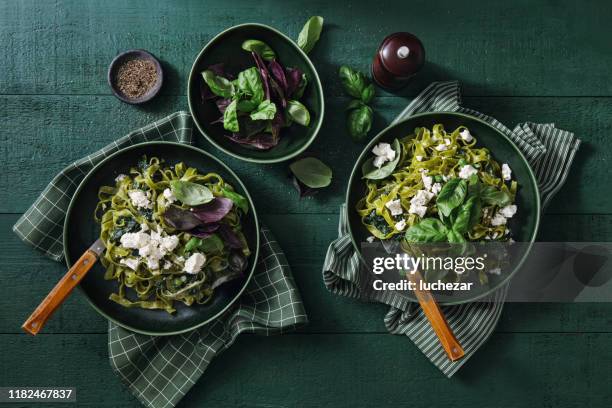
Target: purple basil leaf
[
  {"x": 250, "y": 127},
  {"x": 222, "y": 104},
  {"x": 204, "y": 231},
  {"x": 218, "y": 69},
  {"x": 226, "y": 277},
  {"x": 265, "y": 75},
  {"x": 260, "y": 141},
  {"x": 279, "y": 94},
  {"x": 293, "y": 77},
  {"x": 180, "y": 219},
  {"x": 302, "y": 189},
  {"x": 213, "y": 211},
  {"x": 278, "y": 73},
  {"x": 230, "y": 238}
]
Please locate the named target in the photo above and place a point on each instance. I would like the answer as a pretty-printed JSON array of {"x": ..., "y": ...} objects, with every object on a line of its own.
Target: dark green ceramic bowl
[
  {"x": 226, "y": 48},
  {"x": 524, "y": 224},
  {"x": 80, "y": 231}
]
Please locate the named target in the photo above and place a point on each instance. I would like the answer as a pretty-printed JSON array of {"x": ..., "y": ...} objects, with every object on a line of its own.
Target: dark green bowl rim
[
  {"x": 366, "y": 151},
  {"x": 317, "y": 81},
  {"x": 207, "y": 155}
]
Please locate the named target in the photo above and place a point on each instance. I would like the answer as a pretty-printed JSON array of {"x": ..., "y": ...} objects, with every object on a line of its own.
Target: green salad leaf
[
  {"x": 265, "y": 111},
  {"x": 260, "y": 48},
  {"x": 298, "y": 112},
  {"x": 493, "y": 196},
  {"x": 191, "y": 194},
  {"x": 310, "y": 33},
  {"x": 230, "y": 117},
  {"x": 451, "y": 196},
  {"x": 374, "y": 173},
  {"x": 209, "y": 245},
  {"x": 428, "y": 230},
  {"x": 312, "y": 172},
  {"x": 353, "y": 81},
  {"x": 218, "y": 85},
  {"x": 250, "y": 86},
  {"x": 239, "y": 200},
  {"x": 359, "y": 121}
]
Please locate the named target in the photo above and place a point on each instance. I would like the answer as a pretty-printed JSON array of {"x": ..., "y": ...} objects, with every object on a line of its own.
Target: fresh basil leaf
[
  {"x": 466, "y": 215},
  {"x": 359, "y": 122},
  {"x": 354, "y": 104},
  {"x": 250, "y": 85},
  {"x": 312, "y": 172},
  {"x": 265, "y": 111},
  {"x": 493, "y": 196},
  {"x": 191, "y": 194},
  {"x": 218, "y": 85},
  {"x": 192, "y": 244},
  {"x": 239, "y": 200},
  {"x": 451, "y": 196},
  {"x": 230, "y": 117},
  {"x": 454, "y": 237},
  {"x": 298, "y": 112},
  {"x": 354, "y": 82},
  {"x": 209, "y": 245},
  {"x": 260, "y": 48},
  {"x": 373, "y": 173},
  {"x": 367, "y": 94},
  {"x": 310, "y": 33},
  {"x": 428, "y": 230},
  {"x": 246, "y": 105}
]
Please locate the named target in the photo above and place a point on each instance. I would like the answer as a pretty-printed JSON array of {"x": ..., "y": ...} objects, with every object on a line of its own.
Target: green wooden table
[{"x": 547, "y": 61}]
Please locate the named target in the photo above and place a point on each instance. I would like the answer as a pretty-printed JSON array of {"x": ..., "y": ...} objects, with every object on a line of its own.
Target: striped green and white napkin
[
  {"x": 550, "y": 152},
  {"x": 160, "y": 370}
]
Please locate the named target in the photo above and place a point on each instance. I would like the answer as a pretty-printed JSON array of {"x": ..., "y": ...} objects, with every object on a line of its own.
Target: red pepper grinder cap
[{"x": 399, "y": 57}]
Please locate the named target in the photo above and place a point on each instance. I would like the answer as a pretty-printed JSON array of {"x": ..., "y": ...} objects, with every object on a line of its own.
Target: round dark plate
[
  {"x": 226, "y": 48},
  {"x": 129, "y": 55},
  {"x": 80, "y": 231},
  {"x": 524, "y": 224}
]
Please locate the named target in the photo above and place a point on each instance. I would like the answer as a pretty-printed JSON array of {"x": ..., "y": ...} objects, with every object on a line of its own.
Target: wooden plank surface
[{"x": 518, "y": 61}]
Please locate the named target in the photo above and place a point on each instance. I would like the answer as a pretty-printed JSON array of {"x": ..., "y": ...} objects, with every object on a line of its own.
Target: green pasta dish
[
  {"x": 171, "y": 235},
  {"x": 437, "y": 186}
]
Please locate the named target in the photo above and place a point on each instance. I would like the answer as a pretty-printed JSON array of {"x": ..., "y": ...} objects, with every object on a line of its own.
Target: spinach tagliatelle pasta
[
  {"x": 437, "y": 186},
  {"x": 171, "y": 234}
]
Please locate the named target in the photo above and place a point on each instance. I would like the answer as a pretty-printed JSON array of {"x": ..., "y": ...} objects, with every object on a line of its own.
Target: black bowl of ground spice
[{"x": 135, "y": 76}]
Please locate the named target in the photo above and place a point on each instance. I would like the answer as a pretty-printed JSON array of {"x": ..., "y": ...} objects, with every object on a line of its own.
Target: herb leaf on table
[{"x": 310, "y": 33}]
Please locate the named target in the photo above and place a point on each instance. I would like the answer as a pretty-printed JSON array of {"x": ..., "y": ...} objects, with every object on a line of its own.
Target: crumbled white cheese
[
  {"x": 180, "y": 259},
  {"x": 395, "y": 206},
  {"x": 400, "y": 225},
  {"x": 194, "y": 263},
  {"x": 427, "y": 181},
  {"x": 467, "y": 171},
  {"x": 152, "y": 263},
  {"x": 498, "y": 219},
  {"x": 371, "y": 238},
  {"x": 131, "y": 263},
  {"x": 169, "y": 195},
  {"x": 383, "y": 153},
  {"x": 495, "y": 271},
  {"x": 506, "y": 172},
  {"x": 419, "y": 157},
  {"x": 134, "y": 240},
  {"x": 167, "y": 265},
  {"x": 144, "y": 227},
  {"x": 169, "y": 243},
  {"x": 447, "y": 142},
  {"x": 435, "y": 189},
  {"x": 441, "y": 147},
  {"x": 466, "y": 136},
  {"x": 139, "y": 199},
  {"x": 120, "y": 178},
  {"x": 418, "y": 203},
  {"x": 508, "y": 211}
]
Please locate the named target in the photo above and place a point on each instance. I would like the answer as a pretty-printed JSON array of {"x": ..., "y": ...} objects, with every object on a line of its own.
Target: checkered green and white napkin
[
  {"x": 550, "y": 152},
  {"x": 160, "y": 370}
]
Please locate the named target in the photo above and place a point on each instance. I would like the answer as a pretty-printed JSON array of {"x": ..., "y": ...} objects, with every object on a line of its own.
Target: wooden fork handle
[
  {"x": 438, "y": 322},
  {"x": 59, "y": 293}
]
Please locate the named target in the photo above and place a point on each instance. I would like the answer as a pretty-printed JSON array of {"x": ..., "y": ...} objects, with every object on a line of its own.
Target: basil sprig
[
  {"x": 372, "y": 172},
  {"x": 459, "y": 208},
  {"x": 360, "y": 115}
]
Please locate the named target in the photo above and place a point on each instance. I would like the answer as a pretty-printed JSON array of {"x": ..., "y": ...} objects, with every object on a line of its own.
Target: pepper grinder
[{"x": 399, "y": 57}]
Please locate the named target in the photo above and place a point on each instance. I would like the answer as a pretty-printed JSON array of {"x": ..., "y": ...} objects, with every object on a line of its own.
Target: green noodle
[{"x": 159, "y": 288}]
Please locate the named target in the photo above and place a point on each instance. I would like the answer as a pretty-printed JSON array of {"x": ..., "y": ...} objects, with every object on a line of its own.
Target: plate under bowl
[
  {"x": 81, "y": 230},
  {"x": 524, "y": 224}
]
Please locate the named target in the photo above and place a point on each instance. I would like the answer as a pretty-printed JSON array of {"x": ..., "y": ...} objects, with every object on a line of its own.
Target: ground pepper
[{"x": 136, "y": 77}]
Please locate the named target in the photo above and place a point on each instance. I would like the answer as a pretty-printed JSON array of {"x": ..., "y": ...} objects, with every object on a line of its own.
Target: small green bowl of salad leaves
[{"x": 255, "y": 94}]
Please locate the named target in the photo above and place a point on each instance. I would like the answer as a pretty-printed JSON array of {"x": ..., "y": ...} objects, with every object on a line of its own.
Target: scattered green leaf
[
  {"x": 260, "y": 48},
  {"x": 312, "y": 172},
  {"x": 374, "y": 173},
  {"x": 298, "y": 112},
  {"x": 191, "y": 194},
  {"x": 310, "y": 33}
]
